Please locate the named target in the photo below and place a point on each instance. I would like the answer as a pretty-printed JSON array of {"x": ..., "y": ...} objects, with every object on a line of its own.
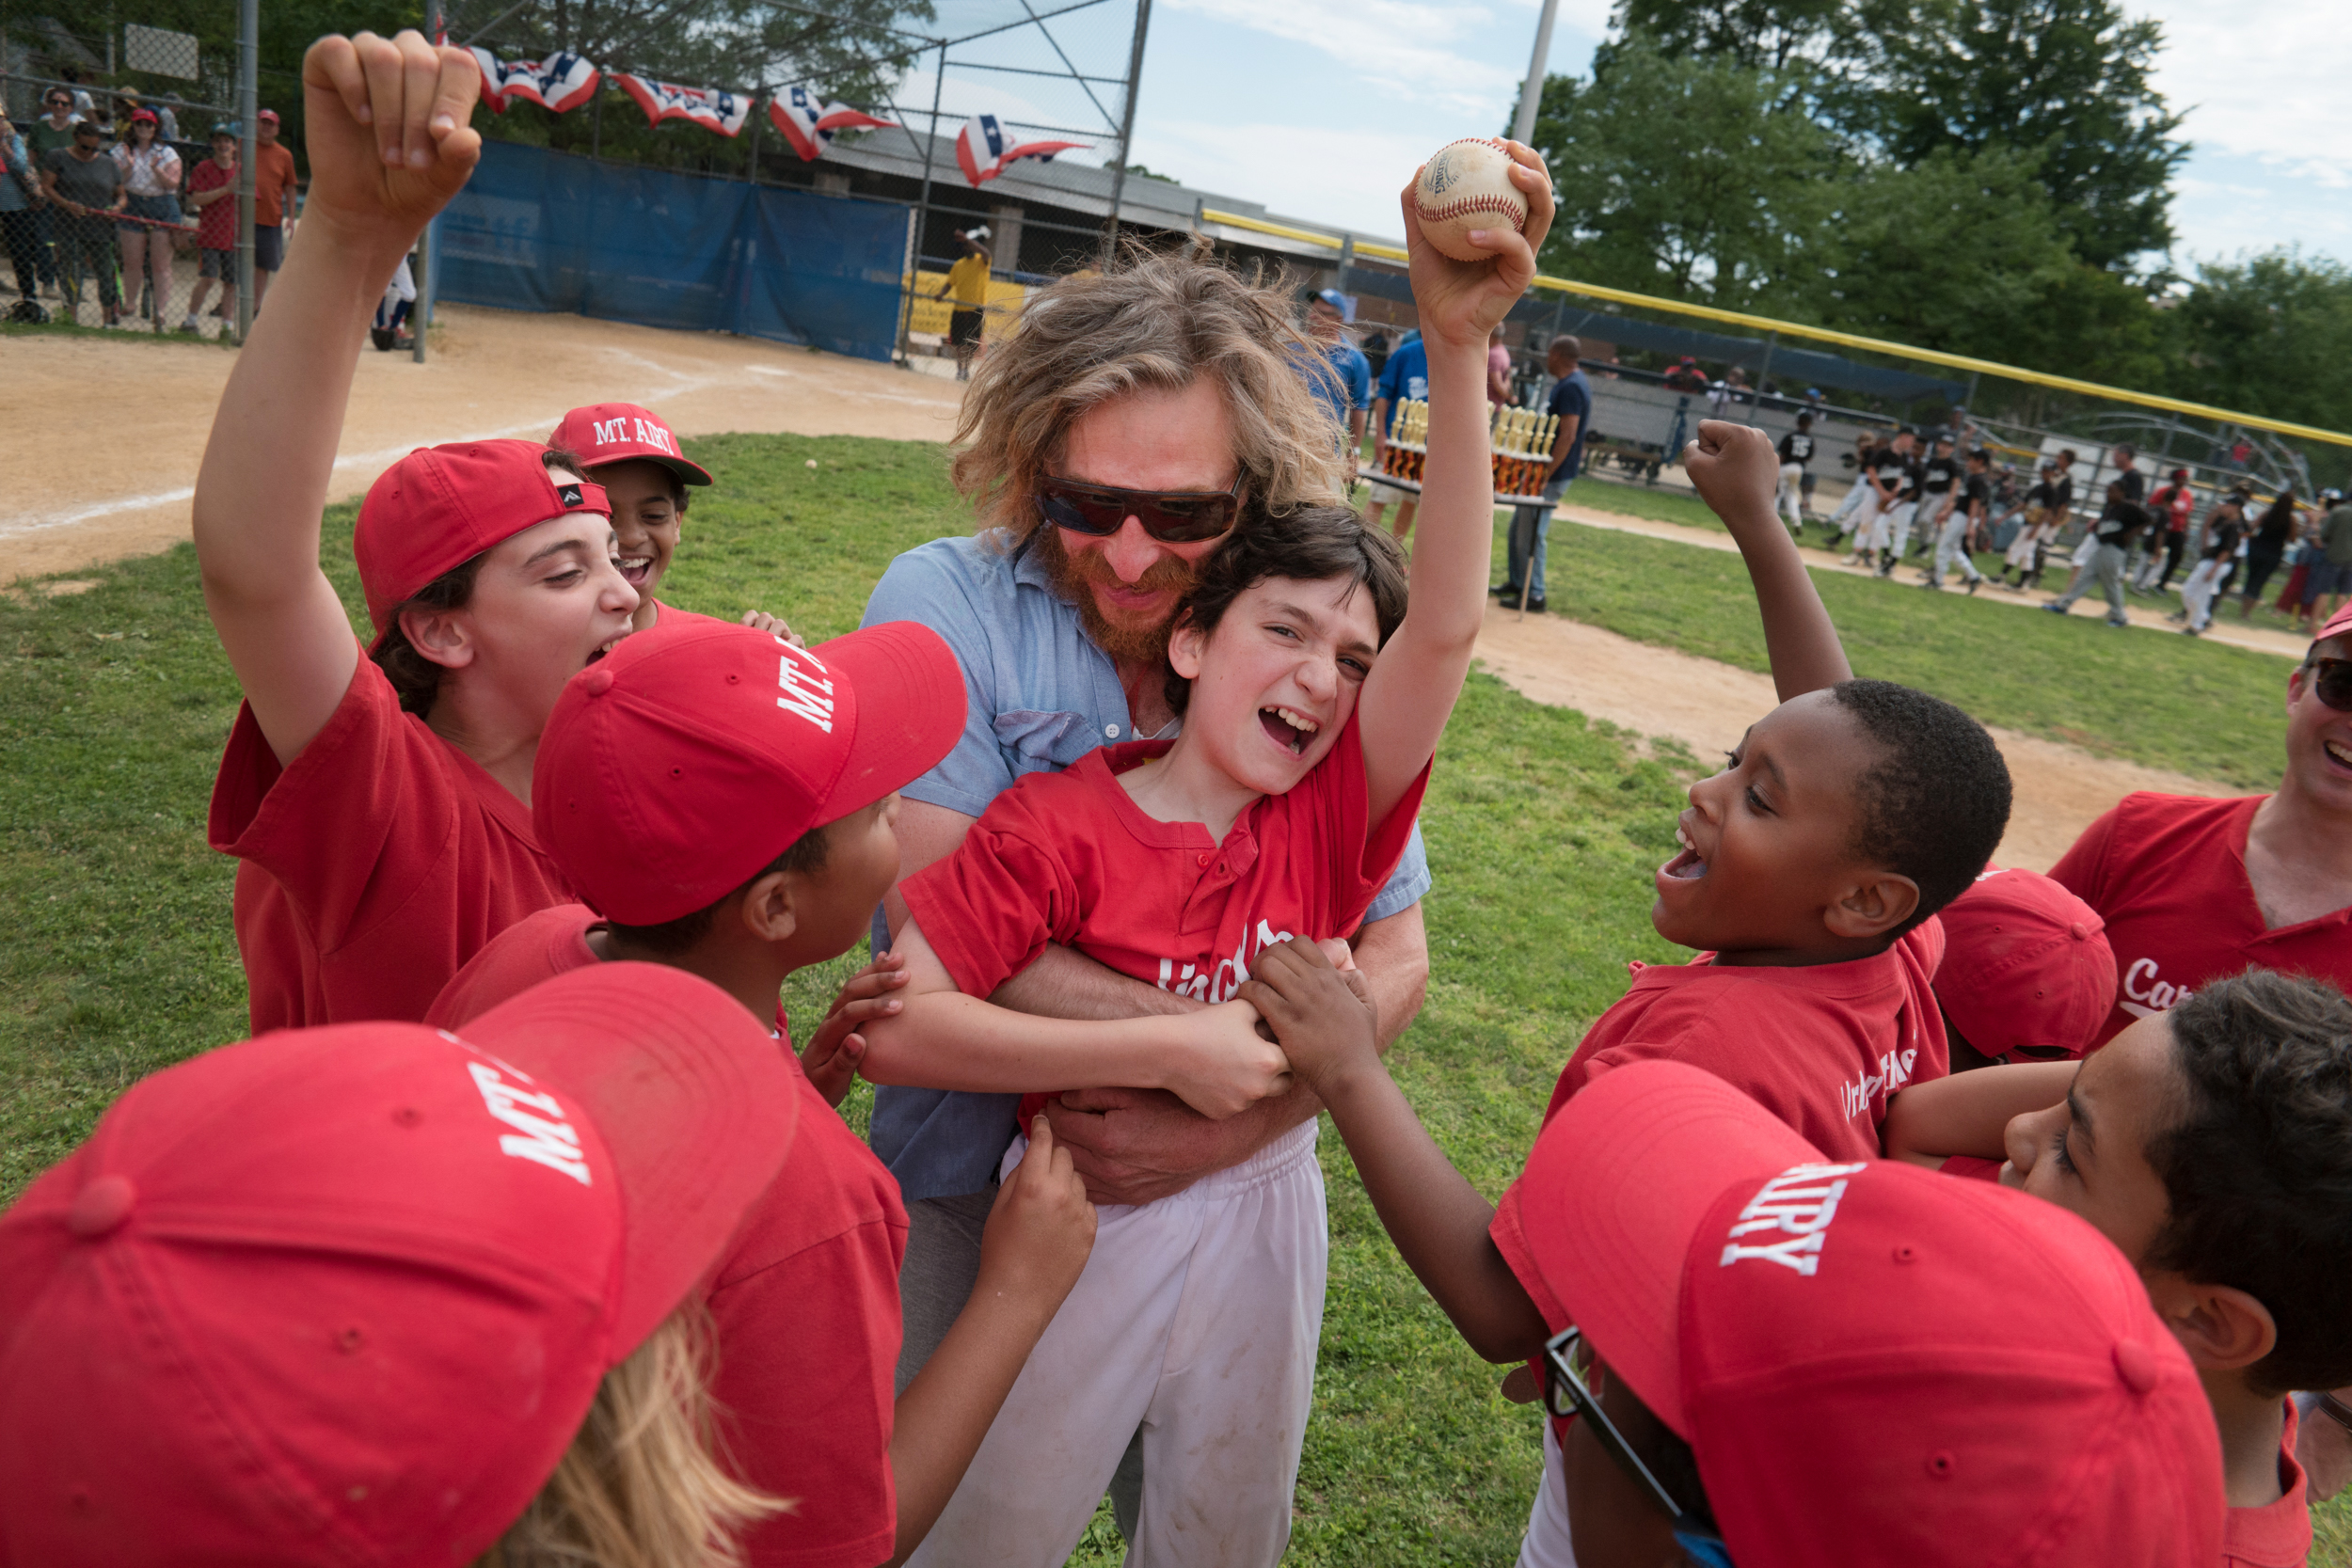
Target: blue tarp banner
[{"x": 541, "y": 230}]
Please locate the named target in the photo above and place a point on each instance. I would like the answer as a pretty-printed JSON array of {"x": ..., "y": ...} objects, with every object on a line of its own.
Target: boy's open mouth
[
  {"x": 1686, "y": 865},
  {"x": 636, "y": 568},
  {"x": 1288, "y": 727}
]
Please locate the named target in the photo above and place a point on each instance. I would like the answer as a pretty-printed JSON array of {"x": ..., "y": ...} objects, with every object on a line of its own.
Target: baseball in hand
[{"x": 1467, "y": 185}]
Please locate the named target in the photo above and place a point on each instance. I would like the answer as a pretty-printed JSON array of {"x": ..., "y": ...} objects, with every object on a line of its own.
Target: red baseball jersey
[
  {"x": 2278, "y": 1534},
  {"x": 2167, "y": 874},
  {"x": 372, "y": 867},
  {"x": 215, "y": 225},
  {"x": 1822, "y": 1047},
  {"x": 805, "y": 1305},
  {"x": 1069, "y": 858}
]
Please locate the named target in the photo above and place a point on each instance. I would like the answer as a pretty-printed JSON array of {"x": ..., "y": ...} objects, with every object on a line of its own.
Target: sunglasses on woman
[
  {"x": 1568, "y": 1363},
  {"x": 2331, "y": 682},
  {"x": 1172, "y": 516}
]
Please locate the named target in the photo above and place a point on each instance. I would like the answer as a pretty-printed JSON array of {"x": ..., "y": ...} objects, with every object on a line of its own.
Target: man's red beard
[{"x": 1140, "y": 638}]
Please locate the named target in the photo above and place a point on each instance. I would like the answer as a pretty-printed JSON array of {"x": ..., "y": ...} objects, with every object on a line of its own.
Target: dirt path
[
  {"x": 1705, "y": 704},
  {"x": 129, "y": 420}
]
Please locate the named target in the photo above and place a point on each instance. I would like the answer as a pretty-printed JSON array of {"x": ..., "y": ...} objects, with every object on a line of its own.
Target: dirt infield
[{"x": 107, "y": 435}]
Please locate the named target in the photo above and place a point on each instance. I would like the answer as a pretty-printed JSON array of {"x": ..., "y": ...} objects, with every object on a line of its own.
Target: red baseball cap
[
  {"x": 147, "y": 115},
  {"x": 2026, "y": 964},
  {"x": 2338, "y": 623},
  {"x": 345, "y": 1295},
  {"x": 440, "y": 507},
  {"x": 620, "y": 431},
  {"x": 678, "y": 765},
  {"x": 1815, "y": 1332},
  {"x": 270, "y": 115}
]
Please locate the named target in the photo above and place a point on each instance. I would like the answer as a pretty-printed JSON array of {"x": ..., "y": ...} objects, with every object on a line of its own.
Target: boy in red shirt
[
  {"x": 2193, "y": 888},
  {"x": 213, "y": 192},
  {"x": 378, "y": 797},
  {"x": 2212, "y": 1145},
  {"x": 1764, "y": 1357},
  {"x": 1312, "y": 704},
  {"x": 725, "y": 802},
  {"x": 1806, "y": 880}
]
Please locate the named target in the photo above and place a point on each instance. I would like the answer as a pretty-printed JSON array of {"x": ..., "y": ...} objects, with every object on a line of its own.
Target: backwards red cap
[
  {"x": 2338, "y": 623},
  {"x": 440, "y": 507},
  {"x": 680, "y": 765},
  {"x": 2026, "y": 964},
  {"x": 1815, "y": 1331},
  {"x": 621, "y": 432},
  {"x": 345, "y": 1295}
]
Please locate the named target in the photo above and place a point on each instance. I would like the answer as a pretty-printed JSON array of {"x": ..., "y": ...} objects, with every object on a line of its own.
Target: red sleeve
[
  {"x": 989, "y": 908},
  {"x": 1362, "y": 854},
  {"x": 2083, "y": 869},
  {"x": 359, "y": 805},
  {"x": 809, "y": 1347},
  {"x": 1510, "y": 1239}
]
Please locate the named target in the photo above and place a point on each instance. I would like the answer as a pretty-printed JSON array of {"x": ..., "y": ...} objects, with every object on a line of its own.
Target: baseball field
[{"x": 1544, "y": 821}]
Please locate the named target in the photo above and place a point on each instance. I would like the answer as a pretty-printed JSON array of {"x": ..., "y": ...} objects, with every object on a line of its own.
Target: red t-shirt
[
  {"x": 215, "y": 225},
  {"x": 372, "y": 867},
  {"x": 1821, "y": 1047},
  {"x": 273, "y": 184},
  {"x": 805, "y": 1305},
  {"x": 2278, "y": 1535},
  {"x": 2167, "y": 874},
  {"x": 1069, "y": 858}
]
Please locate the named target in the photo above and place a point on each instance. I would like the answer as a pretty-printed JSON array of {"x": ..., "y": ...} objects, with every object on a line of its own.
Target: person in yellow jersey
[{"x": 967, "y": 286}]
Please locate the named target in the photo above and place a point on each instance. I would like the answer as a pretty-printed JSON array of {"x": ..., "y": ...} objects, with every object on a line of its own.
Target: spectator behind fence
[
  {"x": 86, "y": 185},
  {"x": 1571, "y": 403},
  {"x": 18, "y": 189},
  {"x": 151, "y": 178},
  {"x": 51, "y": 133},
  {"x": 2325, "y": 589},
  {"x": 2266, "y": 549},
  {"x": 968, "y": 283},
  {"x": 213, "y": 192},
  {"x": 273, "y": 202}
]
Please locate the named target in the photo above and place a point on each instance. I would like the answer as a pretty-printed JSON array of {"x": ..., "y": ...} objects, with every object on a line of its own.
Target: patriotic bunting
[
  {"x": 712, "y": 108},
  {"x": 558, "y": 82},
  {"x": 808, "y": 122},
  {"x": 985, "y": 146}
]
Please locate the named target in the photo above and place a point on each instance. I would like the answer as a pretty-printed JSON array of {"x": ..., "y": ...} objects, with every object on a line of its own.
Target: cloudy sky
[{"x": 1320, "y": 107}]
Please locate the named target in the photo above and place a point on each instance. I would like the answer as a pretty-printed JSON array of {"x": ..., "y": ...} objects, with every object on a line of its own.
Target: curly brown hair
[{"x": 1158, "y": 320}]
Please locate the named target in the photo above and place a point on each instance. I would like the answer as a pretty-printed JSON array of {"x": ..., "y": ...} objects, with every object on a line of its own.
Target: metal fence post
[
  {"x": 1127, "y": 125},
  {"x": 922, "y": 216},
  {"x": 248, "y": 106}
]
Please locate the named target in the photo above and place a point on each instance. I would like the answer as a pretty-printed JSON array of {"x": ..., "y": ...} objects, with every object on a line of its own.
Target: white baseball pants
[
  {"x": 1791, "y": 493},
  {"x": 1856, "y": 494},
  {"x": 1889, "y": 528},
  {"x": 1547, "y": 1544},
  {"x": 1921, "y": 512},
  {"x": 1949, "y": 550},
  {"x": 1196, "y": 1319},
  {"x": 2197, "y": 594}
]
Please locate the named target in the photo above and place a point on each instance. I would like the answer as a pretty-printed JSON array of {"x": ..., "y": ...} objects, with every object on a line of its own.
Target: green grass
[{"x": 1542, "y": 829}]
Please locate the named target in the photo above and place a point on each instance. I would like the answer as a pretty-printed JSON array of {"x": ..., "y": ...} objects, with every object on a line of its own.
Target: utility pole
[
  {"x": 1523, "y": 123},
  {"x": 1127, "y": 124}
]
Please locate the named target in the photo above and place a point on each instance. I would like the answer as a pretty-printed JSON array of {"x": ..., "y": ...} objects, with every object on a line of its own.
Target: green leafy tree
[
  {"x": 1761, "y": 34},
  {"x": 2272, "y": 335},
  {"x": 2066, "y": 80},
  {"x": 1677, "y": 176}
]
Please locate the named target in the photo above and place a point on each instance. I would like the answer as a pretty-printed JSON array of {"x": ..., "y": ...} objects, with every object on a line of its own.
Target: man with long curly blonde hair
[{"x": 1144, "y": 414}]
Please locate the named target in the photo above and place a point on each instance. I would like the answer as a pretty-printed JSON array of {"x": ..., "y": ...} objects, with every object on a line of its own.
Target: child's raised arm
[
  {"x": 1413, "y": 685},
  {"x": 1969, "y": 1113},
  {"x": 390, "y": 144},
  {"x": 1738, "y": 476},
  {"x": 1213, "y": 1059}
]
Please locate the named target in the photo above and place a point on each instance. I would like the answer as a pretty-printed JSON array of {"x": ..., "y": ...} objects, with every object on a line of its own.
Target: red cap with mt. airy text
[
  {"x": 2027, "y": 968},
  {"x": 345, "y": 1295},
  {"x": 1815, "y": 1331},
  {"x": 620, "y": 433},
  {"x": 440, "y": 507},
  {"x": 679, "y": 766}
]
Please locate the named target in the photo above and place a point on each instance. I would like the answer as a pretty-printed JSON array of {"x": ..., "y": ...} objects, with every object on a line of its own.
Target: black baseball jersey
[
  {"x": 1899, "y": 473},
  {"x": 1797, "y": 447},
  {"x": 1937, "y": 475},
  {"x": 1979, "y": 492}
]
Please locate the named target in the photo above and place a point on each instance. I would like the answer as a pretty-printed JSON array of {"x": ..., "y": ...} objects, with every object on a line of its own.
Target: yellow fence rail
[{"x": 1829, "y": 335}]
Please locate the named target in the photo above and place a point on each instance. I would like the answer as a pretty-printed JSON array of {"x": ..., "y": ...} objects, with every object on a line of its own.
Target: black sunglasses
[
  {"x": 1567, "y": 1391},
  {"x": 2331, "y": 682},
  {"x": 1172, "y": 516}
]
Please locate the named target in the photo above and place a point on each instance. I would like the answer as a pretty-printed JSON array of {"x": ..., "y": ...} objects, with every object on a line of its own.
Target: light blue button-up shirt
[{"x": 1039, "y": 695}]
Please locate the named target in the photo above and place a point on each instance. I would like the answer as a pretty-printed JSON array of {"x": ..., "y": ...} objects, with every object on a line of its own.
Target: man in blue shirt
[
  {"x": 1347, "y": 390},
  {"x": 1062, "y": 634},
  {"x": 1403, "y": 379},
  {"x": 1571, "y": 403}
]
